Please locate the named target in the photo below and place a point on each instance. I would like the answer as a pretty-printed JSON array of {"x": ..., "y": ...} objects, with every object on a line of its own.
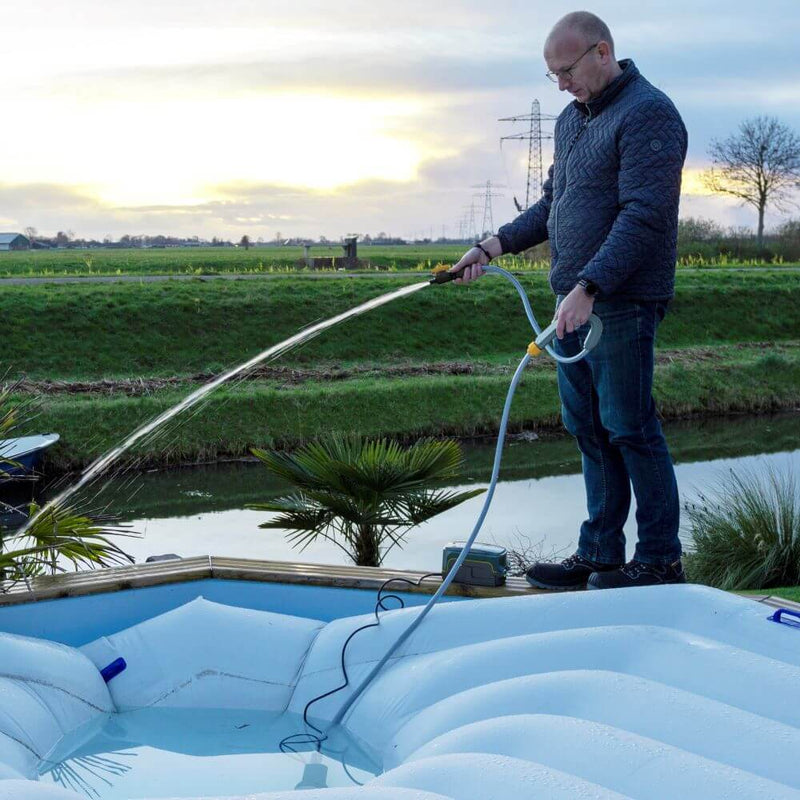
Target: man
[{"x": 610, "y": 210}]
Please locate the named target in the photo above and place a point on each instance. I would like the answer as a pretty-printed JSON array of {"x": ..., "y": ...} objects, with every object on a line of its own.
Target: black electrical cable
[{"x": 287, "y": 744}]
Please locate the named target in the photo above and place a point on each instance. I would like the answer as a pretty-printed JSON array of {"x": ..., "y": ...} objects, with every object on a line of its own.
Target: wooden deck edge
[
  {"x": 772, "y": 601},
  {"x": 135, "y": 576},
  {"x": 112, "y": 579}
]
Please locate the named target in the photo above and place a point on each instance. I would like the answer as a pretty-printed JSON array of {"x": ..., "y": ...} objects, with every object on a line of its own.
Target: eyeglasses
[{"x": 567, "y": 73}]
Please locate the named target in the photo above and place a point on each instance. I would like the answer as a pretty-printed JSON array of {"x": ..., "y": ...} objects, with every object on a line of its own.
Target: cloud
[
  {"x": 31, "y": 196},
  {"x": 342, "y": 74},
  {"x": 46, "y": 206},
  {"x": 190, "y": 118}
]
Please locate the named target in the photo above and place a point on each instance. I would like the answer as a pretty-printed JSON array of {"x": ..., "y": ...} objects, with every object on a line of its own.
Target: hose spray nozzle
[{"x": 442, "y": 274}]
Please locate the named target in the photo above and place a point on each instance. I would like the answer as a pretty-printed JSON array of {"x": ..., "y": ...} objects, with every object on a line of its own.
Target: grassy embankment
[
  {"x": 432, "y": 363},
  {"x": 259, "y": 260}
]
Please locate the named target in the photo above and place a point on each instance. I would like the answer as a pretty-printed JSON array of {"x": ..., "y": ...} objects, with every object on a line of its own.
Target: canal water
[{"x": 538, "y": 506}]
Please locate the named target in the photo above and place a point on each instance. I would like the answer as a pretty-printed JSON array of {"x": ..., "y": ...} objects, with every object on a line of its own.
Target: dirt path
[
  {"x": 290, "y": 376},
  {"x": 225, "y": 276},
  {"x": 253, "y": 276}
]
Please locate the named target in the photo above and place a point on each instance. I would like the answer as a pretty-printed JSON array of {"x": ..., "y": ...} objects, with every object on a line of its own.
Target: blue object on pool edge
[
  {"x": 776, "y": 617},
  {"x": 113, "y": 669}
]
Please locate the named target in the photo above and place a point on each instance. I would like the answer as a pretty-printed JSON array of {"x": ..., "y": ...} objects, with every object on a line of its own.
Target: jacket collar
[{"x": 594, "y": 107}]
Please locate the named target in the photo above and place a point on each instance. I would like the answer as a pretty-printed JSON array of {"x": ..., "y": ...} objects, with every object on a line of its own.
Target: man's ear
[{"x": 604, "y": 50}]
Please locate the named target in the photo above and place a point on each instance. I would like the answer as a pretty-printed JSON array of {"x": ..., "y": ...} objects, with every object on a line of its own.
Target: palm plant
[
  {"x": 60, "y": 535},
  {"x": 363, "y": 496},
  {"x": 747, "y": 534}
]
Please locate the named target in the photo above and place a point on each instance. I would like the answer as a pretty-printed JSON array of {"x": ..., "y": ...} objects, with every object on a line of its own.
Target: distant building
[{"x": 14, "y": 241}]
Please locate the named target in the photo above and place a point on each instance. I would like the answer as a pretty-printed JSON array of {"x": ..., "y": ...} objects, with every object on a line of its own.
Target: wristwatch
[{"x": 589, "y": 287}]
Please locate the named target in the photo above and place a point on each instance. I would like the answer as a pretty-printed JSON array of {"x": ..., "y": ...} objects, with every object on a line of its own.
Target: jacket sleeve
[
  {"x": 652, "y": 149},
  {"x": 530, "y": 227}
]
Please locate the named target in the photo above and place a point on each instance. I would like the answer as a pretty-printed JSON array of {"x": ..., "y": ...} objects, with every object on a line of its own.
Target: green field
[
  {"x": 179, "y": 328},
  {"x": 216, "y": 260},
  {"x": 256, "y": 260},
  {"x": 106, "y": 357}
]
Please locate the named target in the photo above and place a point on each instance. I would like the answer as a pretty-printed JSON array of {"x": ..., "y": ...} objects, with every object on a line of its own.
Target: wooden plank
[
  {"x": 113, "y": 579},
  {"x": 778, "y": 602},
  {"x": 371, "y": 578},
  {"x": 136, "y": 576}
]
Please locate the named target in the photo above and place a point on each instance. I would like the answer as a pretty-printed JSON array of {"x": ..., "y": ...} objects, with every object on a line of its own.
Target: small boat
[{"x": 25, "y": 452}]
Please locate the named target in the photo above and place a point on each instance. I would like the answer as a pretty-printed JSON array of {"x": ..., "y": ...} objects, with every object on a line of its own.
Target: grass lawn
[
  {"x": 436, "y": 362},
  {"x": 270, "y": 259},
  {"x": 218, "y": 260},
  {"x": 786, "y": 592},
  {"x": 70, "y": 332}
]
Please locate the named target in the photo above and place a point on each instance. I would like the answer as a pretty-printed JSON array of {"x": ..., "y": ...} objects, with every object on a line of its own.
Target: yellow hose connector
[
  {"x": 440, "y": 268},
  {"x": 533, "y": 350}
]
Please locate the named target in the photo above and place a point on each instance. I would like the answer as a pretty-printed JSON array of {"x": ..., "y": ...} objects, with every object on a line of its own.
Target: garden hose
[{"x": 542, "y": 343}]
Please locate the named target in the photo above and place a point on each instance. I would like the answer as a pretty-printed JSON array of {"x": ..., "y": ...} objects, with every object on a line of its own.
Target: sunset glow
[{"x": 160, "y": 117}]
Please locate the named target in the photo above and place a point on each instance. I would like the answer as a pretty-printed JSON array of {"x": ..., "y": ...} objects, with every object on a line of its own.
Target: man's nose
[{"x": 564, "y": 81}]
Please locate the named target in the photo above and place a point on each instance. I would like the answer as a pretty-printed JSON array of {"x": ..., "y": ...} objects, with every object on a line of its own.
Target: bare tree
[
  {"x": 760, "y": 165},
  {"x": 31, "y": 233}
]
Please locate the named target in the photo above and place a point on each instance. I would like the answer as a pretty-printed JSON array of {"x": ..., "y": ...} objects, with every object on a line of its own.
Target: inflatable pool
[{"x": 661, "y": 692}]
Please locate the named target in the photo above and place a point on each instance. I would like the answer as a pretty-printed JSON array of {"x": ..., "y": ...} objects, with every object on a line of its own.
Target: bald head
[
  {"x": 579, "y": 51},
  {"x": 584, "y": 25}
]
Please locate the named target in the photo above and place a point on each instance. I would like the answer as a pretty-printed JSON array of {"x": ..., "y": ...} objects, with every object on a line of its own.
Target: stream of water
[{"x": 152, "y": 428}]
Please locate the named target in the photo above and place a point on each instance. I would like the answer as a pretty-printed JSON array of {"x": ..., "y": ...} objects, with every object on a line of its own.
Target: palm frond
[
  {"x": 63, "y": 536},
  {"x": 361, "y": 493},
  {"x": 14, "y": 414},
  {"x": 420, "y": 508}
]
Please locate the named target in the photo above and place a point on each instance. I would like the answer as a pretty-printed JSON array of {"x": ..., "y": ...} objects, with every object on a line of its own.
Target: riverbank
[
  {"x": 103, "y": 359},
  {"x": 268, "y": 413}
]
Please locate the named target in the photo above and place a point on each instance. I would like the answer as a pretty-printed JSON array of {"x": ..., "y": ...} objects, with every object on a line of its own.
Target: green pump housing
[{"x": 486, "y": 564}]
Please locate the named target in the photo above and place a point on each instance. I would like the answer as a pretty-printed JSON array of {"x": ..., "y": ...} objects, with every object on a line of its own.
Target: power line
[
  {"x": 534, "y": 137},
  {"x": 487, "y": 194},
  {"x": 467, "y": 227}
]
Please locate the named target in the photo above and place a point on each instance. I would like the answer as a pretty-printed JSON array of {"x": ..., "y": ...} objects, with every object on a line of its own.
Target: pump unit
[{"x": 486, "y": 564}]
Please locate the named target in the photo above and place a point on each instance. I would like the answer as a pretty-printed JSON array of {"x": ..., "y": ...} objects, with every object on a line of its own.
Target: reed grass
[{"x": 745, "y": 532}]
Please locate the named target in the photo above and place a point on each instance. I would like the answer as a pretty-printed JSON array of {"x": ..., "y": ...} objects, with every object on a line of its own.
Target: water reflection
[{"x": 539, "y": 502}]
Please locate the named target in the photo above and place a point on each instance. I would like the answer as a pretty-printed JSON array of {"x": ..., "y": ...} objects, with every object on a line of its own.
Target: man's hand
[
  {"x": 474, "y": 260},
  {"x": 574, "y": 311}
]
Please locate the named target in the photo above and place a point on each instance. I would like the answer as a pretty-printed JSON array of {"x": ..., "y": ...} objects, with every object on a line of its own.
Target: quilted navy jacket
[{"x": 610, "y": 202}]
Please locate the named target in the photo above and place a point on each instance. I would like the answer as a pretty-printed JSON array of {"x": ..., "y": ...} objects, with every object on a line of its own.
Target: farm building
[{"x": 14, "y": 241}]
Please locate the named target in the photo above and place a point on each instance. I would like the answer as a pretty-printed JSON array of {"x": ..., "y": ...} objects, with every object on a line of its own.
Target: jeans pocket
[{"x": 615, "y": 310}]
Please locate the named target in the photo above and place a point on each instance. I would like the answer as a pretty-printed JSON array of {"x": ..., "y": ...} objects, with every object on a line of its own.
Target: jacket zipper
[{"x": 566, "y": 165}]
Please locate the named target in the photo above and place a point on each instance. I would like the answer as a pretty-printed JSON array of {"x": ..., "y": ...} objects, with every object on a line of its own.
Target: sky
[{"x": 313, "y": 117}]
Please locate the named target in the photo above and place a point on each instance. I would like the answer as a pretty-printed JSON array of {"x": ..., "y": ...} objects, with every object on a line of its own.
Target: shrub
[{"x": 746, "y": 534}]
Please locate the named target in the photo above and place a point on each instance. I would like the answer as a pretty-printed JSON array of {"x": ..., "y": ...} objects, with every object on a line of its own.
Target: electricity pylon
[
  {"x": 534, "y": 137},
  {"x": 487, "y": 194}
]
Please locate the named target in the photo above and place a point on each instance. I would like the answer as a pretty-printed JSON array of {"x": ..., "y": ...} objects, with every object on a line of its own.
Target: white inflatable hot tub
[{"x": 663, "y": 692}]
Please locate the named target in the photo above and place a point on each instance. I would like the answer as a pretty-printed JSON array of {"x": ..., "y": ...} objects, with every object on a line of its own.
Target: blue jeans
[{"x": 607, "y": 405}]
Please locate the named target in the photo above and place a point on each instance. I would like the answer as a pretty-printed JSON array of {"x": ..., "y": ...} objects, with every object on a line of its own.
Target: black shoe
[
  {"x": 571, "y": 573},
  {"x": 637, "y": 573}
]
